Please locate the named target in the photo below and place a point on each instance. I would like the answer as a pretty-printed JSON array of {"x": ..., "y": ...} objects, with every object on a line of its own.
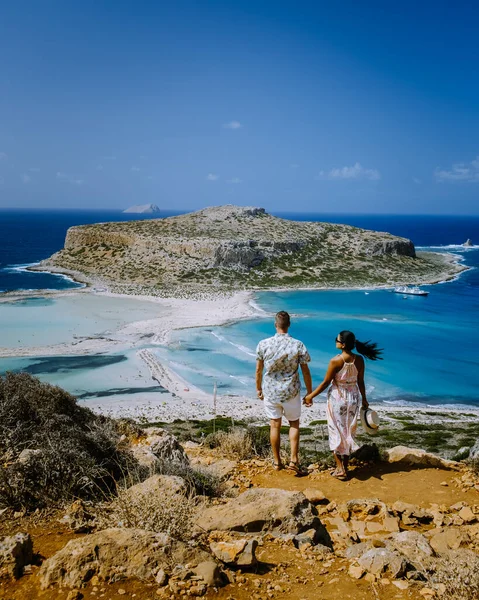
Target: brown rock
[
  {"x": 413, "y": 545},
  {"x": 365, "y": 507},
  {"x": 467, "y": 515},
  {"x": 114, "y": 554},
  {"x": 260, "y": 509},
  {"x": 414, "y": 456},
  {"x": 391, "y": 524},
  {"x": 77, "y": 517},
  {"x": 209, "y": 572},
  {"x": 402, "y": 585},
  {"x": 222, "y": 468},
  {"x": 74, "y": 595},
  {"x": 235, "y": 552},
  {"x": 449, "y": 539},
  {"x": 356, "y": 572},
  {"x": 161, "y": 578},
  {"x": 315, "y": 496},
  {"x": 411, "y": 514},
  {"x": 357, "y": 550},
  {"x": 381, "y": 560},
  {"x": 198, "y": 590},
  {"x": 157, "y": 484},
  {"x": 16, "y": 552}
]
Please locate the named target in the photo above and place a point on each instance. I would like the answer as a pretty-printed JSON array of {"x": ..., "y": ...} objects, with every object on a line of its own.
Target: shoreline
[
  {"x": 206, "y": 309},
  {"x": 449, "y": 258}
]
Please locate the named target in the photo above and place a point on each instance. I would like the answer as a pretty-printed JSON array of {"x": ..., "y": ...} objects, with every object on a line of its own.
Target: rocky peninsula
[{"x": 230, "y": 248}]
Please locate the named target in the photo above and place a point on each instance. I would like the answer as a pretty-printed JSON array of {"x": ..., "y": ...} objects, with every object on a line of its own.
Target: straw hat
[{"x": 369, "y": 420}]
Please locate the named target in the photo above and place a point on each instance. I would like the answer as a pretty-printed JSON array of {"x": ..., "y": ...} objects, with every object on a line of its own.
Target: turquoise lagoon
[{"x": 430, "y": 345}]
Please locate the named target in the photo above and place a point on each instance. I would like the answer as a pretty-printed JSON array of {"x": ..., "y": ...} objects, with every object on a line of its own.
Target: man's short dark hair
[{"x": 282, "y": 319}]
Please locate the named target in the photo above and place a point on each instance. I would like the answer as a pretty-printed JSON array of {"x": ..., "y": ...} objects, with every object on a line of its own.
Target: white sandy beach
[{"x": 165, "y": 315}]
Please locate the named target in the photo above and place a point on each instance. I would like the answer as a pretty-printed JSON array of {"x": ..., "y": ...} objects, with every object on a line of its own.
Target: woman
[{"x": 346, "y": 374}]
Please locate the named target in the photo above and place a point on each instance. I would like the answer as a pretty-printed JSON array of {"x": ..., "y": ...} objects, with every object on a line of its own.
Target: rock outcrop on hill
[{"x": 234, "y": 247}]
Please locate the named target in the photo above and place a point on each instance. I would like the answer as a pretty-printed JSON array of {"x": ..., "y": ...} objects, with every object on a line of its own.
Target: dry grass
[
  {"x": 166, "y": 512},
  {"x": 241, "y": 443},
  {"x": 458, "y": 575}
]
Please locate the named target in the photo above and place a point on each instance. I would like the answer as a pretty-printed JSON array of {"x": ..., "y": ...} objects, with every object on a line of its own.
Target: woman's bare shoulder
[{"x": 359, "y": 360}]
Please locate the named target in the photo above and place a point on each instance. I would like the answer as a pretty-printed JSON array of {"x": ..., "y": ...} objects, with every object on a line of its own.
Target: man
[{"x": 280, "y": 356}]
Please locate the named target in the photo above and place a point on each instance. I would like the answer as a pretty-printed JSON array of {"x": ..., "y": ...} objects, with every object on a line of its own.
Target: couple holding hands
[{"x": 277, "y": 383}]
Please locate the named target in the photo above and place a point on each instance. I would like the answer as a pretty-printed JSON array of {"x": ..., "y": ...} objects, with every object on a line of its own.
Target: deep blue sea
[{"x": 430, "y": 344}]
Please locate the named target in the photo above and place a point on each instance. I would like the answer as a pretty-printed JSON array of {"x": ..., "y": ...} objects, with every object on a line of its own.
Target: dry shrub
[
  {"x": 199, "y": 480},
  {"x": 168, "y": 512},
  {"x": 241, "y": 443},
  {"x": 73, "y": 453},
  {"x": 458, "y": 571},
  {"x": 473, "y": 464}
]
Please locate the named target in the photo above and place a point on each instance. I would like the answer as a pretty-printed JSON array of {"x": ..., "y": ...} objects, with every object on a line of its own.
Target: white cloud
[
  {"x": 417, "y": 180},
  {"x": 235, "y": 180},
  {"x": 26, "y": 178},
  {"x": 34, "y": 170},
  {"x": 3, "y": 156},
  {"x": 233, "y": 125},
  {"x": 69, "y": 178},
  {"x": 212, "y": 177},
  {"x": 468, "y": 172},
  {"x": 357, "y": 171},
  {"x": 135, "y": 169}
]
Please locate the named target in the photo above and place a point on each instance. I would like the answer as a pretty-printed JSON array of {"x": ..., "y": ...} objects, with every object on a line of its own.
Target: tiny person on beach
[
  {"x": 346, "y": 375},
  {"x": 280, "y": 357}
]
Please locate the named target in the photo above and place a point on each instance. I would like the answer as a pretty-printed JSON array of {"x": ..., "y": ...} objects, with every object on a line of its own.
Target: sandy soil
[{"x": 299, "y": 577}]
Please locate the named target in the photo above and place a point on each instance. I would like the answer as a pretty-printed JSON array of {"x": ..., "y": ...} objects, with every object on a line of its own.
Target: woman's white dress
[{"x": 342, "y": 409}]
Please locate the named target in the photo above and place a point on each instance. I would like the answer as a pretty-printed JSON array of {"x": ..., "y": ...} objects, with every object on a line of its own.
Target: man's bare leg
[
  {"x": 275, "y": 438},
  {"x": 294, "y": 441}
]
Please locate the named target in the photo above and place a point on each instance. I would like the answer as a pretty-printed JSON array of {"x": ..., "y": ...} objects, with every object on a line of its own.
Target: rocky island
[
  {"x": 230, "y": 248},
  {"x": 143, "y": 209}
]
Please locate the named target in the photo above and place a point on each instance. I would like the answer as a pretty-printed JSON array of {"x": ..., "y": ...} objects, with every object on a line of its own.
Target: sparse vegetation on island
[{"x": 229, "y": 248}]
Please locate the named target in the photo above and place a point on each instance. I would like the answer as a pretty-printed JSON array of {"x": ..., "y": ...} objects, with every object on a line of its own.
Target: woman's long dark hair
[{"x": 368, "y": 349}]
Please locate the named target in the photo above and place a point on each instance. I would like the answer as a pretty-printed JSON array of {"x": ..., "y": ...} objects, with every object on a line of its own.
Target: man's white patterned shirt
[{"x": 282, "y": 355}]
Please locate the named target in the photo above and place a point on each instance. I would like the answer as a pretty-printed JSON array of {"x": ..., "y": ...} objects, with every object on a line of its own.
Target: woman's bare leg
[{"x": 339, "y": 464}]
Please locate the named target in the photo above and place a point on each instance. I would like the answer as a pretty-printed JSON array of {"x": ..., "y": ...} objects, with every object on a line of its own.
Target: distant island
[
  {"x": 231, "y": 248},
  {"x": 143, "y": 209}
]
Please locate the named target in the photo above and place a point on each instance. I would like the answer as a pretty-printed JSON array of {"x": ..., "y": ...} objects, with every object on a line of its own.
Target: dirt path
[
  {"x": 283, "y": 572},
  {"x": 421, "y": 486}
]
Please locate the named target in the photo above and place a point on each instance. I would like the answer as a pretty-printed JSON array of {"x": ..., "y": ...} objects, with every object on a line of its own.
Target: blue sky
[{"x": 295, "y": 106}]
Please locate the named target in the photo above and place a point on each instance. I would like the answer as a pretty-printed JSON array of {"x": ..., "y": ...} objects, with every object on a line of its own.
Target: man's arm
[
  {"x": 259, "y": 378},
  {"x": 307, "y": 377}
]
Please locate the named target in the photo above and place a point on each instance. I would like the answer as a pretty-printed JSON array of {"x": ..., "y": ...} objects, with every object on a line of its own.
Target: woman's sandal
[
  {"x": 341, "y": 475},
  {"x": 278, "y": 466}
]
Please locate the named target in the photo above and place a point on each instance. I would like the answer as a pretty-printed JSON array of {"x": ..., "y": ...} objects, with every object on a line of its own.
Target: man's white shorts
[{"x": 291, "y": 409}]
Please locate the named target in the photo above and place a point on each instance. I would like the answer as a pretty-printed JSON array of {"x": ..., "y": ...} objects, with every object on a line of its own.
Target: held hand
[
  {"x": 260, "y": 394},
  {"x": 308, "y": 400}
]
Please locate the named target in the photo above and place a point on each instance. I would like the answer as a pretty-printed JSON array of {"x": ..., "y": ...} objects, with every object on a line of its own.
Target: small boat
[{"x": 410, "y": 291}]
